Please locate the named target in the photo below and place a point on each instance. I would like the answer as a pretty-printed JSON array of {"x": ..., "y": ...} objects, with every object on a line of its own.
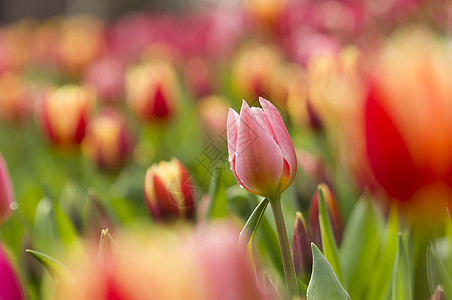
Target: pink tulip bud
[
  {"x": 333, "y": 212},
  {"x": 152, "y": 90},
  {"x": 63, "y": 113},
  {"x": 6, "y": 193},
  {"x": 261, "y": 153},
  {"x": 107, "y": 140},
  {"x": 10, "y": 288},
  {"x": 301, "y": 246},
  {"x": 168, "y": 190}
]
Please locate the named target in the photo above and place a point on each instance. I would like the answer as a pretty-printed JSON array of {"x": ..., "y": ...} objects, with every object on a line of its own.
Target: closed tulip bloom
[
  {"x": 168, "y": 190},
  {"x": 301, "y": 246},
  {"x": 333, "y": 213},
  {"x": 6, "y": 193},
  {"x": 261, "y": 153},
  {"x": 152, "y": 90},
  {"x": 10, "y": 288},
  {"x": 63, "y": 113},
  {"x": 108, "y": 140}
]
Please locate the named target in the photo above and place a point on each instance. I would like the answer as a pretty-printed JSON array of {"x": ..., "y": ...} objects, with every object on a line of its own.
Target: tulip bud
[
  {"x": 168, "y": 190},
  {"x": 261, "y": 153},
  {"x": 333, "y": 213},
  {"x": 301, "y": 246},
  {"x": 6, "y": 193},
  {"x": 10, "y": 288},
  {"x": 250, "y": 76},
  {"x": 107, "y": 141},
  {"x": 75, "y": 32},
  {"x": 439, "y": 293},
  {"x": 63, "y": 113},
  {"x": 213, "y": 111},
  {"x": 152, "y": 90}
]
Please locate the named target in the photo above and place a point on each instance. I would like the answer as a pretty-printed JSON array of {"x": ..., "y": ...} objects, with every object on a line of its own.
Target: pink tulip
[
  {"x": 261, "y": 153},
  {"x": 6, "y": 193},
  {"x": 9, "y": 283}
]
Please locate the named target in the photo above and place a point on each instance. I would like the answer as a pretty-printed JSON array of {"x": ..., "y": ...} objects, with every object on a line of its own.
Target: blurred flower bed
[{"x": 114, "y": 166}]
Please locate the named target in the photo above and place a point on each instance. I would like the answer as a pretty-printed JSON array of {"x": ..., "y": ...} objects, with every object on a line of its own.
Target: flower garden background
[{"x": 264, "y": 149}]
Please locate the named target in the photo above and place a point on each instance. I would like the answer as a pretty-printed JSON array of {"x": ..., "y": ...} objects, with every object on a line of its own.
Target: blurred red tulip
[
  {"x": 261, "y": 153},
  {"x": 63, "y": 113},
  {"x": 6, "y": 191},
  {"x": 408, "y": 123},
  {"x": 107, "y": 141},
  {"x": 152, "y": 90},
  {"x": 167, "y": 265},
  {"x": 168, "y": 191},
  {"x": 10, "y": 288}
]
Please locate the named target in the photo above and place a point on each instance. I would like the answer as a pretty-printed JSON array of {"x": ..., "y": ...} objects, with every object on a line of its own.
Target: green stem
[{"x": 286, "y": 254}]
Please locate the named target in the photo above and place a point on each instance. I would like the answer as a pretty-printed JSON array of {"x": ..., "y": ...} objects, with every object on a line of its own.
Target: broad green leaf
[
  {"x": 380, "y": 281},
  {"x": 360, "y": 248},
  {"x": 53, "y": 266},
  {"x": 324, "y": 284},
  {"x": 66, "y": 230},
  {"x": 440, "y": 272},
  {"x": 218, "y": 201},
  {"x": 247, "y": 234},
  {"x": 401, "y": 278},
  {"x": 328, "y": 242}
]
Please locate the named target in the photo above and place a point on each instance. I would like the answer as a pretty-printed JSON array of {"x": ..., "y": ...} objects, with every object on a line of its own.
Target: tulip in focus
[
  {"x": 10, "y": 288},
  {"x": 63, "y": 113},
  {"x": 152, "y": 90},
  {"x": 168, "y": 191},
  {"x": 333, "y": 213},
  {"x": 6, "y": 192},
  {"x": 261, "y": 153},
  {"x": 108, "y": 140},
  {"x": 408, "y": 124}
]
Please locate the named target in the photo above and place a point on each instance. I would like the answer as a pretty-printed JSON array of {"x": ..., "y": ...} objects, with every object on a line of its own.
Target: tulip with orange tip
[
  {"x": 333, "y": 213},
  {"x": 152, "y": 90},
  {"x": 108, "y": 140},
  {"x": 168, "y": 191},
  {"x": 63, "y": 113},
  {"x": 6, "y": 192},
  {"x": 261, "y": 153},
  {"x": 10, "y": 287},
  {"x": 408, "y": 124}
]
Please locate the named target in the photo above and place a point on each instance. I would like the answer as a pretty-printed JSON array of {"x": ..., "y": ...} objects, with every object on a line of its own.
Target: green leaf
[
  {"x": 437, "y": 272},
  {"x": 44, "y": 229},
  {"x": 380, "y": 281},
  {"x": 328, "y": 242},
  {"x": 53, "y": 266},
  {"x": 324, "y": 284},
  {"x": 360, "y": 248},
  {"x": 247, "y": 234},
  {"x": 401, "y": 277},
  {"x": 218, "y": 201}
]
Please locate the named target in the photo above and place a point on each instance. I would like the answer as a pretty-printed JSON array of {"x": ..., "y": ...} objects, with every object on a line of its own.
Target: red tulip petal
[{"x": 259, "y": 161}]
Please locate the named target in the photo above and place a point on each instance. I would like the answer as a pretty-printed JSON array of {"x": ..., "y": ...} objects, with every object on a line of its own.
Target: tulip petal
[
  {"x": 259, "y": 160},
  {"x": 233, "y": 119},
  {"x": 281, "y": 136}
]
